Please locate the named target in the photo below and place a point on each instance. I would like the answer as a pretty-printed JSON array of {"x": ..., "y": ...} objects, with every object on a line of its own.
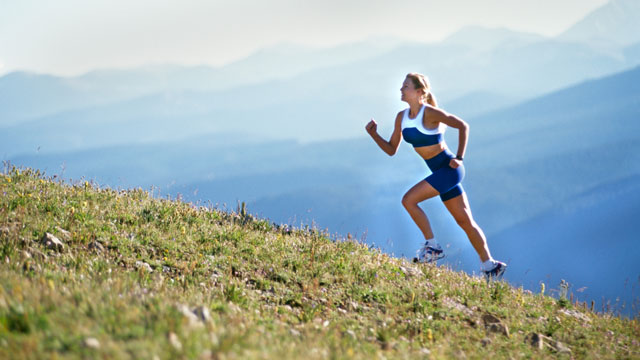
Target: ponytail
[{"x": 431, "y": 100}]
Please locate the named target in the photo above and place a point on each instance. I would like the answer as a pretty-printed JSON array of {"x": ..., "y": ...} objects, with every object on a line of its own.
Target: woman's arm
[
  {"x": 390, "y": 147},
  {"x": 454, "y": 122}
]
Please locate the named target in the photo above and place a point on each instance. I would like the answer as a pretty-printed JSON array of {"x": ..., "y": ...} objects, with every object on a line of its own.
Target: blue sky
[{"x": 69, "y": 37}]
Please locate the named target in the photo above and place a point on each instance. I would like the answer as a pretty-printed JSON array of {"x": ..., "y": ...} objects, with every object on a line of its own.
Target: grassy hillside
[{"x": 145, "y": 278}]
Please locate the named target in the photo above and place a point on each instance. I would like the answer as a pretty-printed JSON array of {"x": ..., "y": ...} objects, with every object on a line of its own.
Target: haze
[{"x": 70, "y": 37}]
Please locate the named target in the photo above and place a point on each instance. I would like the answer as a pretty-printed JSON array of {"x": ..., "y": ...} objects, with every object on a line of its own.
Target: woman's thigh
[{"x": 419, "y": 192}]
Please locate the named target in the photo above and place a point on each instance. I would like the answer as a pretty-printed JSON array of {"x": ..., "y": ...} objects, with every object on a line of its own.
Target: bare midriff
[{"x": 427, "y": 152}]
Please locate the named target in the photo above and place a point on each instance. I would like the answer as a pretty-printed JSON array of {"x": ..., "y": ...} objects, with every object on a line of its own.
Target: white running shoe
[
  {"x": 497, "y": 272},
  {"x": 429, "y": 253}
]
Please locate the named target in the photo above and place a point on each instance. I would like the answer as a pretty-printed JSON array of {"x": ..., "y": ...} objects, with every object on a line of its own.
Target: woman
[{"x": 422, "y": 125}]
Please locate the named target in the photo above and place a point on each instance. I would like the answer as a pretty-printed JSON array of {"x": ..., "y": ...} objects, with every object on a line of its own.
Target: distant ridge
[
  {"x": 615, "y": 23},
  {"x": 484, "y": 38}
]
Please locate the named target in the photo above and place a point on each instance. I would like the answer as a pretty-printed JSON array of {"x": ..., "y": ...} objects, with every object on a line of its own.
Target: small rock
[
  {"x": 425, "y": 351},
  {"x": 562, "y": 348},
  {"x": 493, "y": 324},
  {"x": 193, "y": 319},
  {"x": 486, "y": 341},
  {"x": 499, "y": 329},
  {"x": 64, "y": 233},
  {"x": 174, "y": 341},
  {"x": 92, "y": 343},
  {"x": 452, "y": 304},
  {"x": 144, "y": 266},
  {"x": 294, "y": 332},
  {"x": 490, "y": 319},
  {"x": 202, "y": 313},
  {"x": 410, "y": 271},
  {"x": 52, "y": 242},
  {"x": 97, "y": 246},
  {"x": 535, "y": 340}
]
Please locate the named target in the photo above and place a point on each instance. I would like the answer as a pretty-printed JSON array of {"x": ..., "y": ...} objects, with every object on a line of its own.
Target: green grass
[{"x": 271, "y": 292}]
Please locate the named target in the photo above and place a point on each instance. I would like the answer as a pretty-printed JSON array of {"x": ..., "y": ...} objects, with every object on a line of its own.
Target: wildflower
[{"x": 541, "y": 288}]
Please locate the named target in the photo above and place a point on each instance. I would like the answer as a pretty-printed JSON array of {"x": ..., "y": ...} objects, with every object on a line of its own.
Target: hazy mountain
[
  {"x": 321, "y": 104},
  {"x": 483, "y": 38},
  {"x": 613, "y": 24},
  {"x": 278, "y": 83},
  {"x": 477, "y": 103},
  {"x": 588, "y": 241},
  {"x": 28, "y": 95}
]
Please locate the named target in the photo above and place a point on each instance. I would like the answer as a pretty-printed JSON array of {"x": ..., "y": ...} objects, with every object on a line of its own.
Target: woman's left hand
[{"x": 454, "y": 163}]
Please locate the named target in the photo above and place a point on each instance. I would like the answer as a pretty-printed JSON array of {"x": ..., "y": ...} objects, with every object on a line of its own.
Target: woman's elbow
[
  {"x": 464, "y": 127},
  {"x": 391, "y": 151}
]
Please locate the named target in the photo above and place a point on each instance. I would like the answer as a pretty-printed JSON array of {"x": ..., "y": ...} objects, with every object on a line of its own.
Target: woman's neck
[{"x": 414, "y": 108}]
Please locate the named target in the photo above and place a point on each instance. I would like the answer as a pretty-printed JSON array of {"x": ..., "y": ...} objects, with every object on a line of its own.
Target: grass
[{"x": 147, "y": 278}]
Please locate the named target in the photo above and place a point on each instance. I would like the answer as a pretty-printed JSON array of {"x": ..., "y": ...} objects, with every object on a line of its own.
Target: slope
[{"x": 139, "y": 277}]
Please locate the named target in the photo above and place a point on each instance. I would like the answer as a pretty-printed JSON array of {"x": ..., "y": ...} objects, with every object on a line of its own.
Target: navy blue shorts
[{"x": 443, "y": 177}]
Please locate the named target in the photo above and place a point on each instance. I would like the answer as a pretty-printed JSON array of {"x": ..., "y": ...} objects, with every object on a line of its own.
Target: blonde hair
[{"x": 421, "y": 82}]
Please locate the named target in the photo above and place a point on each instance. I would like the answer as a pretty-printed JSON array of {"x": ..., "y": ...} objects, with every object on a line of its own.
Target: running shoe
[
  {"x": 497, "y": 272},
  {"x": 429, "y": 253}
]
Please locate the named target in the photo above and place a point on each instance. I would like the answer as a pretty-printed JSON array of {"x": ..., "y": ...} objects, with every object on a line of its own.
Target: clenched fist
[{"x": 372, "y": 127}]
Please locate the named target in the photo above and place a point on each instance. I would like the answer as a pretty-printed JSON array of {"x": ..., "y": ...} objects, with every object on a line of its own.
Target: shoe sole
[{"x": 431, "y": 260}]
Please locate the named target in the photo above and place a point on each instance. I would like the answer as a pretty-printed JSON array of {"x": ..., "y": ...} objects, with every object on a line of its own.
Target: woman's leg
[
  {"x": 459, "y": 208},
  {"x": 420, "y": 192}
]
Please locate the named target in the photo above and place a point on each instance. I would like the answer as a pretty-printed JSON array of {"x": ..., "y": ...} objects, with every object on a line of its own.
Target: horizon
[{"x": 148, "y": 34}]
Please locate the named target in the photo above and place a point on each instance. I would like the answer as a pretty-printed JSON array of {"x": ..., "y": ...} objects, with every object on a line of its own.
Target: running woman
[{"x": 422, "y": 125}]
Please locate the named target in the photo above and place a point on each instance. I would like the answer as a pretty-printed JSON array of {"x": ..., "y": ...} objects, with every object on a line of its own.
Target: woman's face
[{"x": 409, "y": 92}]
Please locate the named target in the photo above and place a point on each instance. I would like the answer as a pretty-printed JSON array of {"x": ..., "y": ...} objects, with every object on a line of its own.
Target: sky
[{"x": 70, "y": 37}]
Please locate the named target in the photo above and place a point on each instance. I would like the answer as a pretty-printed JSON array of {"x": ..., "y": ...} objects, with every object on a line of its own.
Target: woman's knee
[{"x": 408, "y": 202}]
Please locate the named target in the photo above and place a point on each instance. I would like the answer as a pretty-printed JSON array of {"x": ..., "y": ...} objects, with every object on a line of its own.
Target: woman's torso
[{"x": 427, "y": 137}]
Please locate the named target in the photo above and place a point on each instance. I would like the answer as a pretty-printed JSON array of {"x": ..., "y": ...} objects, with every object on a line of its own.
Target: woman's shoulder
[{"x": 432, "y": 110}]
